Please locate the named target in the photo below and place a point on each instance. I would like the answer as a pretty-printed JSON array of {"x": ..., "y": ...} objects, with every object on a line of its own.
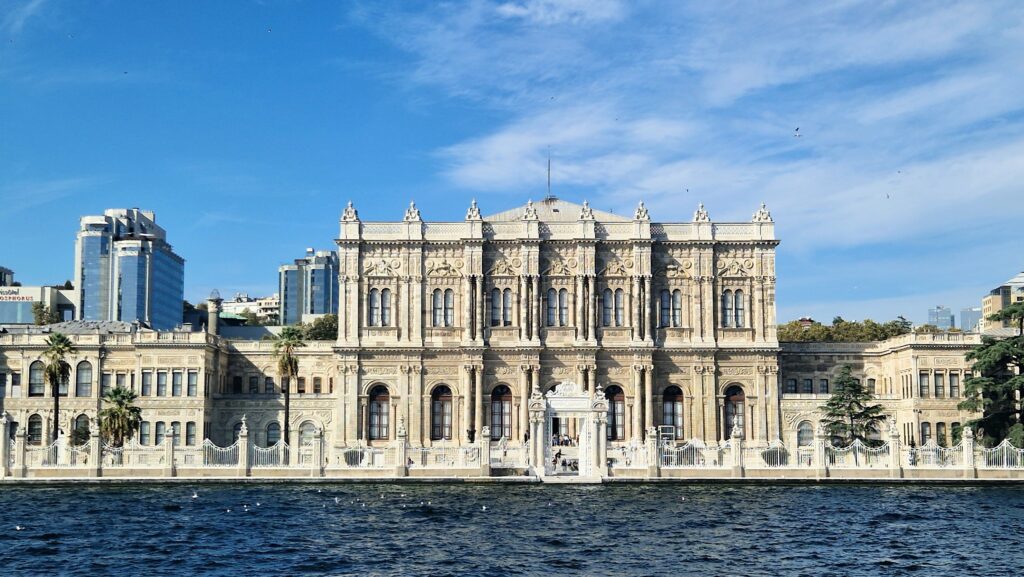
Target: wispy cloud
[
  {"x": 24, "y": 195},
  {"x": 19, "y": 14}
]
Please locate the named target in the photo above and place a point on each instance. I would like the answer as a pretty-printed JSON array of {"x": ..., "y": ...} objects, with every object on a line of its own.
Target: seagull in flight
[{"x": 796, "y": 133}]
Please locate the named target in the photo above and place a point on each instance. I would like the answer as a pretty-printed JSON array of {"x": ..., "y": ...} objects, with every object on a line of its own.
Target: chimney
[{"x": 213, "y": 312}]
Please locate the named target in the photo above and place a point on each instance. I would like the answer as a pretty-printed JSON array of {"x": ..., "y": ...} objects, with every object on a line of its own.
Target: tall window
[
  {"x": 940, "y": 434},
  {"x": 665, "y": 300},
  {"x": 83, "y": 379},
  {"x": 807, "y": 387},
  {"x": 672, "y": 410},
  {"x": 734, "y": 401},
  {"x": 677, "y": 308},
  {"x": 161, "y": 384},
  {"x": 307, "y": 433},
  {"x": 190, "y": 433},
  {"x": 506, "y": 307},
  {"x": 740, "y": 321},
  {"x": 552, "y": 316},
  {"x": 35, "y": 430},
  {"x": 563, "y": 307},
  {"x": 926, "y": 432},
  {"x": 438, "y": 307},
  {"x": 268, "y": 385},
  {"x": 804, "y": 434},
  {"x": 273, "y": 434},
  {"x": 616, "y": 413},
  {"x": 254, "y": 384},
  {"x": 822, "y": 386},
  {"x": 374, "y": 319},
  {"x": 607, "y": 305},
  {"x": 176, "y": 384},
  {"x": 449, "y": 308},
  {"x": 501, "y": 413},
  {"x": 872, "y": 386},
  {"x": 923, "y": 383},
  {"x": 193, "y": 383},
  {"x": 161, "y": 431},
  {"x": 144, "y": 433},
  {"x": 81, "y": 429},
  {"x": 3, "y": 385},
  {"x": 385, "y": 308},
  {"x": 105, "y": 379},
  {"x": 727, "y": 308},
  {"x": 790, "y": 388},
  {"x": 35, "y": 380},
  {"x": 619, "y": 307},
  {"x": 940, "y": 385},
  {"x": 147, "y": 383},
  {"x": 954, "y": 385},
  {"x": 496, "y": 308},
  {"x": 318, "y": 385},
  {"x": 441, "y": 413},
  {"x": 176, "y": 433},
  {"x": 300, "y": 385},
  {"x": 380, "y": 407}
]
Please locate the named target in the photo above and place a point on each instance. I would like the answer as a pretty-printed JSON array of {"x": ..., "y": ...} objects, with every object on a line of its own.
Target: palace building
[{"x": 450, "y": 330}]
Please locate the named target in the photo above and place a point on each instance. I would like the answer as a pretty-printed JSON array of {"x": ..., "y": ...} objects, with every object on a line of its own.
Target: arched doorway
[
  {"x": 501, "y": 413},
  {"x": 735, "y": 402}
]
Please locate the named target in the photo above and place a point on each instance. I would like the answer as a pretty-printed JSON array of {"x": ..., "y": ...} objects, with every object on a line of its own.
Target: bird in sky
[{"x": 796, "y": 133}]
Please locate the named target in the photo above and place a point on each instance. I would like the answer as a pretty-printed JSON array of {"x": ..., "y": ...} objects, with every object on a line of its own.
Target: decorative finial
[
  {"x": 412, "y": 214},
  {"x": 641, "y": 212},
  {"x": 531, "y": 212},
  {"x": 586, "y": 213},
  {"x": 701, "y": 215},
  {"x": 350, "y": 214},
  {"x": 762, "y": 214},
  {"x": 245, "y": 428},
  {"x": 474, "y": 211}
]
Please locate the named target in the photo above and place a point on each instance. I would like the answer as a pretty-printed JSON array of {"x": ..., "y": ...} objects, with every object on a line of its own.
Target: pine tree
[
  {"x": 997, "y": 382},
  {"x": 849, "y": 413}
]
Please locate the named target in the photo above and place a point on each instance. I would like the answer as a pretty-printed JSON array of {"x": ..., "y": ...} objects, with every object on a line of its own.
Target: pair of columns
[
  {"x": 473, "y": 407},
  {"x": 643, "y": 399}
]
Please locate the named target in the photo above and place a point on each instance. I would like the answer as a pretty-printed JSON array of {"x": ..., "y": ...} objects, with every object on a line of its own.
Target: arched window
[
  {"x": 871, "y": 386},
  {"x": 616, "y": 413},
  {"x": 176, "y": 433},
  {"x": 496, "y": 308},
  {"x": 552, "y": 316},
  {"x": 449, "y": 307},
  {"x": 161, "y": 431},
  {"x": 804, "y": 434},
  {"x": 740, "y": 321},
  {"x": 385, "y": 308},
  {"x": 607, "y": 305},
  {"x": 35, "y": 430},
  {"x": 665, "y": 300},
  {"x": 734, "y": 406},
  {"x": 307, "y": 433},
  {"x": 380, "y": 409},
  {"x": 438, "y": 317},
  {"x": 677, "y": 308},
  {"x": 672, "y": 410},
  {"x": 80, "y": 435},
  {"x": 441, "y": 413},
  {"x": 727, "y": 308},
  {"x": 563, "y": 307},
  {"x": 506, "y": 307},
  {"x": 35, "y": 379},
  {"x": 619, "y": 307},
  {"x": 83, "y": 379},
  {"x": 144, "y": 433},
  {"x": 273, "y": 434},
  {"x": 374, "y": 319},
  {"x": 926, "y": 432},
  {"x": 190, "y": 433},
  {"x": 940, "y": 434},
  {"x": 501, "y": 413}
]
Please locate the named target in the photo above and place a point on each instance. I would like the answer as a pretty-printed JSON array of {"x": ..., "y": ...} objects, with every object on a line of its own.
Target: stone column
[
  {"x": 19, "y": 453},
  {"x": 95, "y": 454},
  {"x": 895, "y": 451},
  {"x": 401, "y": 458},
  {"x": 523, "y": 335},
  {"x": 637, "y": 401},
  {"x": 634, "y": 301},
  {"x": 820, "y": 465},
  {"x": 479, "y": 308},
  {"x": 478, "y": 395},
  {"x": 736, "y": 450},
  {"x": 317, "y": 461},
  {"x": 169, "y": 469},
  {"x": 5, "y": 445},
  {"x": 649, "y": 398},
  {"x": 967, "y": 443},
  {"x": 651, "y": 445},
  {"x": 592, "y": 332},
  {"x": 535, "y": 309},
  {"x": 484, "y": 442},
  {"x": 467, "y": 310},
  {"x": 352, "y": 402},
  {"x": 602, "y": 444},
  {"x": 524, "y": 400},
  {"x": 244, "y": 464},
  {"x": 467, "y": 399},
  {"x": 648, "y": 310}
]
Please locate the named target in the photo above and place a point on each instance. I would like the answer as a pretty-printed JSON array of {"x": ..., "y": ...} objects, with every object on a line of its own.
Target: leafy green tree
[
  {"x": 842, "y": 331},
  {"x": 849, "y": 414},
  {"x": 57, "y": 371},
  {"x": 324, "y": 328},
  {"x": 44, "y": 315},
  {"x": 79, "y": 435},
  {"x": 997, "y": 382},
  {"x": 120, "y": 419},
  {"x": 251, "y": 319},
  {"x": 285, "y": 345}
]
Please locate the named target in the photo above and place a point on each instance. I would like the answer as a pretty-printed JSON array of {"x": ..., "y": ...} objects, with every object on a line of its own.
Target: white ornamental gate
[{"x": 587, "y": 439}]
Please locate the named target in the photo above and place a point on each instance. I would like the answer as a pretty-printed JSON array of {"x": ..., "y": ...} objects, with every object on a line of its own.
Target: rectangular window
[
  {"x": 790, "y": 386},
  {"x": 190, "y": 433},
  {"x": 105, "y": 384},
  {"x": 119, "y": 379},
  {"x": 301, "y": 385},
  {"x": 161, "y": 430},
  {"x": 176, "y": 384},
  {"x": 15, "y": 385},
  {"x": 954, "y": 385},
  {"x": 176, "y": 433},
  {"x": 268, "y": 385},
  {"x": 193, "y": 385},
  {"x": 823, "y": 386},
  {"x": 808, "y": 387},
  {"x": 317, "y": 385},
  {"x": 147, "y": 383},
  {"x": 3, "y": 385},
  {"x": 940, "y": 385},
  {"x": 236, "y": 385},
  {"x": 922, "y": 382},
  {"x": 254, "y": 385},
  {"x": 144, "y": 433},
  {"x": 161, "y": 384}
]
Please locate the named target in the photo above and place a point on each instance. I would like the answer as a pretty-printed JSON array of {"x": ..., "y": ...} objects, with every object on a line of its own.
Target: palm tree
[
  {"x": 285, "y": 344},
  {"x": 57, "y": 371},
  {"x": 120, "y": 420}
]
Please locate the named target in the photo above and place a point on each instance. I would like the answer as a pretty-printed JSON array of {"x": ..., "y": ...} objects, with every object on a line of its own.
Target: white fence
[
  {"x": 930, "y": 455},
  {"x": 1002, "y": 456},
  {"x": 134, "y": 455},
  {"x": 443, "y": 457},
  {"x": 59, "y": 453},
  {"x": 857, "y": 456},
  {"x": 273, "y": 456},
  {"x": 366, "y": 457},
  {"x": 694, "y": 455}
]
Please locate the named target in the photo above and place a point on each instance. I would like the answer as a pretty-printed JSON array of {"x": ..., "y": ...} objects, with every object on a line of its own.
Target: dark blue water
[{"x": 526, "y": 530}]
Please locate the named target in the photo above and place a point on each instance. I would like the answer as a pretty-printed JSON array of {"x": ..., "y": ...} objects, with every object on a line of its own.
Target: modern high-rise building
[
  {"x": 309, "y": 286},
  {"x": 941, "y": 317},
  {"x": 969, "y": 318},
  {"x": 6, "y": 276},
  {"x": 1010, "y": 292},
  {"x": 126, "y": 271}
]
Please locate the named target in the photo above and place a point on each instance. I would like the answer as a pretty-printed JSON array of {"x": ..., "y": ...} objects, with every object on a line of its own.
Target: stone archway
[{"x": 568, "y": 401}]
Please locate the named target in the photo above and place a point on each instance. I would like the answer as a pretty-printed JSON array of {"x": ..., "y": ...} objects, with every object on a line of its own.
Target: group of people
[
  {"x": 563, "y": 441},
  {"x": 567, "y": 464}
]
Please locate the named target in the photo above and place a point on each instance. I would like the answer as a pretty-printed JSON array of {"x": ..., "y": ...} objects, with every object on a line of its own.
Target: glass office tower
[{"x": 309, "y": 286}]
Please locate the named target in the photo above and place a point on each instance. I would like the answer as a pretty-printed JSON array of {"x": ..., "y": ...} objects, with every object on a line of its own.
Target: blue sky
[{"x": 247, "y": 126}]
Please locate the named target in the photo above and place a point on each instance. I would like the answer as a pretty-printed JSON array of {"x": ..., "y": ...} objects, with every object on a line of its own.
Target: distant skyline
[{"x": 247, "y": 128}]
